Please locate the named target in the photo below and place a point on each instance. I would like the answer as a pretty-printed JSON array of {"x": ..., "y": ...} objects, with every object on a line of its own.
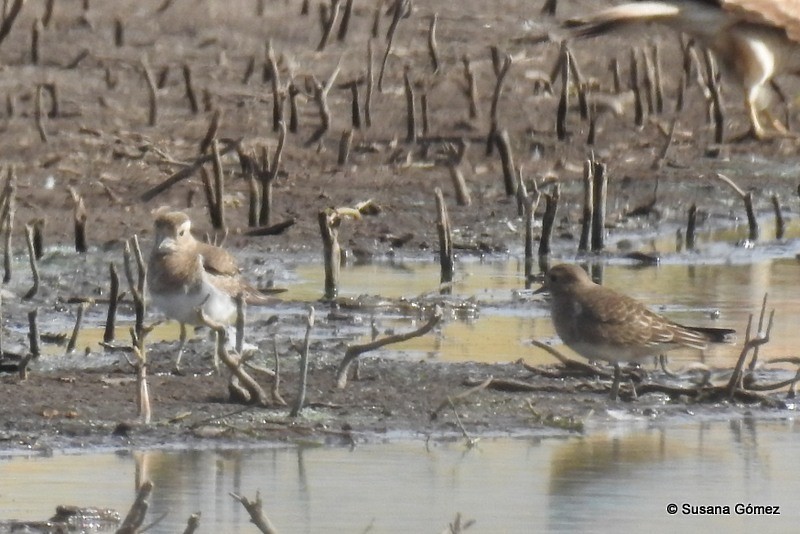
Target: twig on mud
[
  {"x": 301, "y": 390},
  {"x": 257, "y": 515},
  {"x": 73, "y": 339},
  {"x": 38, "y": 114},
  {"x": 354, "y": 351},
  {"x": 9, "y": 210},
  {"x": 446, "y": 258},
  {"x": 79, "y": 215},
  {"x": 471, "y": 442},
  {"x": 113, "y": 300},
  {"x": 451, "y": 400},
  {"x": 152, "y": 92},
  {"x": 276, "y": 381},
  {"x": 760, "y": 338},
  {"x": 34, "y": 264},
  {"x": 747, "y": 198},
  {"x": 397, "y": 12},
  {"x": 458, "y": 526},
  {"x": 321, "y": 99},
  {"x": 569, "y": 363}
]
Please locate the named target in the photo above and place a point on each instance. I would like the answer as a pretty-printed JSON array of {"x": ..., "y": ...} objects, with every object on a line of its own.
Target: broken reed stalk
[
  {"x": 423, "y": 109},
  {"x": 79, "y": 216},
  {"x": 563, "y": 101},
  {"x": 188, "y": 170},
  {"x": 255, "y": 393},
  {"x": 691, "y": 227},
  {"x": 321, "y": 99},
  {"x": 760, "y": 338},
  {"x": 303, "y": 382},
  {"x": 329, "y": 221},
  {"x": 73, "y": 339},
  {"x": 241, "y": 313},
  {"x": 354, "y": 351},
  {"x": 501, "y": 68},
  {"x": 268, "y": 175},
  {"x": 780, "y": 225},
  {"x": 256, "y": 512},
  {"x": 658, "y": 85},
  {"x": 345, "y": 142},
  {"x": 463, "y": 197},
  {"x": 39, "y": 115},
  {"x": 38, "y": 237},
  {"x": 327, "y": 19},
  {"x": 191, "y": 96},
  {"x": 599, "y": 193},
  {"x": 521, "y": 194},
  {"x": 472, "y": 87},
  {"x": 119, "y": 33},
  {"x": 662, "y": 154},
  {"x": 397, "y": 12},
  {"x": 411, "y": 109},
  {"x": 588, "y": 205},
  {"x": 355, "y": 104},
  {"x": 136, "y": 515},
  {"x": 275, "y": 83},
  {"x": 9, "y": 212},
  {"x": 36, "y": 32},
  {"x": 718, "y": 113},
  {"x": 638, "y": 106},
  {"x": 433, "y": 49},
  {"x": 192, "y": 524},
  {"x": 451, "y": 400},
  {"x": 113, "y": 300},
  {"x": 446, "y": 262},
  {"x": 152, "y": 93},
  {"x": 136, "y": 285},
  {"x": 216, "y": 203},
  {"x": 647, "y": 81},
  {"x": 34, "y": 264},
  {"x": 344, "y": 25},
  {"x": 532, "y": 202},
  {"x": 370, "y": 84},
  {"x": 616, "y": 79},
  {"x": 10, "y": 18},
  {"x": 754, "y": 360},
  {"x": 211, "y": 131},
  {"x": 747, "y": 198},
  {"x": 503, "y": 143},
  {"x": 548, "y": 220},
  {"x": 34, "y": 340}
]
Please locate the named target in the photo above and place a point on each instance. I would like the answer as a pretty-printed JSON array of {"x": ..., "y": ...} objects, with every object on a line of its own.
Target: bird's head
[
  {"x": 173, "y": 231},
  {"x": 564, "y": 279}
]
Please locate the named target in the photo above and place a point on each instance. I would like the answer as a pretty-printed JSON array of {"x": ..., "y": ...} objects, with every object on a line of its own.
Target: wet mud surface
[{"x": 100, "y": 143}]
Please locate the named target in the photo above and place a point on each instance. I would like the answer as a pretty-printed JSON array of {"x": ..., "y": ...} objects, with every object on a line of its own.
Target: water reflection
[{"x": 614, "y": 479}]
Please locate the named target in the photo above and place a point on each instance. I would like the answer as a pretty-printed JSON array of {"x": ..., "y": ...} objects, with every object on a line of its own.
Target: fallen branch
[{"x": 257, "y": 515}]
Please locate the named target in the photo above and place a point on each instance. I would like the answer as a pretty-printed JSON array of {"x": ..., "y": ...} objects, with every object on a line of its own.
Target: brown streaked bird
[
  {"x": 184, "y": 274},
  {"x": 602, "y": 324},
  {"x": 756, "y": 39}
]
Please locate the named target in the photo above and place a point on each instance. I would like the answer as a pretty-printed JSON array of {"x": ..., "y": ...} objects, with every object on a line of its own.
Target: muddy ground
[{"x": 99, "y": 142}]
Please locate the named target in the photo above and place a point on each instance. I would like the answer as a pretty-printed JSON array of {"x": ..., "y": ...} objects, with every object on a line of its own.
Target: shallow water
[{"x": 617, "y": 478}]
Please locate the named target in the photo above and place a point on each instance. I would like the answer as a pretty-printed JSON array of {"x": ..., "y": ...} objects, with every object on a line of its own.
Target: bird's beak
[
  {"x": 167, "y": 245},
  {"x": 542, "y": 290}
]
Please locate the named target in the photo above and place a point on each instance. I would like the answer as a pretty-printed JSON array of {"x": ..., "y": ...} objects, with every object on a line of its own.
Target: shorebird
[
  {"x": 185, "y": 275},
  {"x": 755, "y": 39},
  {"x": 602, "y": 324}
]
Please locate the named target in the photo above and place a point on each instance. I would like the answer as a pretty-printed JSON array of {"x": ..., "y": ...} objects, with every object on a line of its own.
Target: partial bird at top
[{"x": 756, "y": 39}]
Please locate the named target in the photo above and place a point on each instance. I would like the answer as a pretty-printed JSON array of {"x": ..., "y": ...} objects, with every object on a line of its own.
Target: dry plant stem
[
  {"x": 256, "y": 393},
  {"x": 397, "y": 12},
  {"x": 563, "y": 101},
  {"x": 354, "y": 351},
  {"x": 39, "y": 115},
  {"x": 254, "y": 206},
  {"x": 370, "y": 84},
  {"x": 36, "y": 32},
  {"x": 191, "y": 96},
  {"x": 345, "y": 143},
  {"x": 321, "y": 99},
  {"x": 600, "y": 190},
  {"x": 662, "y": 155},
  {"x": 275, "y": 82},
  {"x": 10, "y": 209},
  {"x": 34, "y": 264},
  {"x": 658, "y": 85},
  {"x": 503, "y": 143},
  {"x": 10, "y": 18},
  {"x": 747, "y": 198},
  {"x": 38, "y": 237},
  {"x": 276, "y": 382},
  {"x": 329, "y": 229},
  {"x": 113, "y": 301},
  {"x": 754, "y": 360},
  {"x": 615, "y": 76},
  {"x": 268, "y": 175},
  {"x": 192, "y": 524},
  {"x": 446, "y": 260},
  {"x": 187, "y": 171},
  {"x": 718, "y": 112},
  {"x": 568, "y": 363},
  {"x": 780, "y": 226},
  {"x": 647, "y": 80},
  {"x": 549, "y": 8},
  {"x": 355, "y": 106},
  {"x": 521, "y": 194},
  {"x": 588, "y": 205},
  {"x": 211, "y": 131},
  {"x": 344, "y": 25},
  {"x": 119, "y": 33},
  {"x": 411, "y": 109},
  {"x": 34, "y": 340},
  {"x": 293, "y": 91},
  {"x": 460, "y": 185},
  {"x": 472, "y": 88},
  {"x": 530, "y": 209},
  {"x": 423, "y": 108},
  {"x": 433, "y": 49},
  {"x": 79, "y": 215},
  {"x": 135, "y": 518},
  {"x": 73, "y": 339},
  {"x": 502, "y": 67},
  {"x": 217, "y": 209},
  {"x": 303, "y": 385},
  {"x": 548, "y": 221},
  {"x": 638, "y": 106},
  {"x": 257, "y": 515},
  {"x": 136, "y": 285},
  {"x": 328, "y": 17},
  {"x": 451, "y": 400},
  {"x": 240, "y": 320},
  {"x": 750, "y": 343},
  {"x": 691, "y": 227},
  {"x": 152, "y": 92}
]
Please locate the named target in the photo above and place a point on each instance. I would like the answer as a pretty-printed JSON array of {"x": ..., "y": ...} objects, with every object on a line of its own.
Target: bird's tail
[
  {"x": 715, "y": 335},
  {"x": 618, "y": 16}
]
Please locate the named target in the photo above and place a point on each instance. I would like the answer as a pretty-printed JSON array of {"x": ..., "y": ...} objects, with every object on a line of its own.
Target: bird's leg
[
  {"x": 217, "y": 348},
  {"x": 615, "y": 384},
  {"x": 181, "y": 344},
  {"x": 757, "y": 130}
]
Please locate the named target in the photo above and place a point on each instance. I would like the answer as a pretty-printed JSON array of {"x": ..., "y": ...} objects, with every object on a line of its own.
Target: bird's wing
[
  {"x": 217, "y": 260},
  {"x": 779, "y": 13},
  {"x": 614, "y": 17}
]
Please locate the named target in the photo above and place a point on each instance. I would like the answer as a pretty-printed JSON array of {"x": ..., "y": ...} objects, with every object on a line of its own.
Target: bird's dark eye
[
  {"x": 553, "y": 277},
  {"x": 181, "y": 232}
]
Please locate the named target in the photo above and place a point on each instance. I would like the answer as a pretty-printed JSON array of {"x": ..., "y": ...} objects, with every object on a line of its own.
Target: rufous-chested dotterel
[
  {"x": 756, "y": 39},
  {"x": 602, "y": 324},
  {"x": 184, "y": 275}
]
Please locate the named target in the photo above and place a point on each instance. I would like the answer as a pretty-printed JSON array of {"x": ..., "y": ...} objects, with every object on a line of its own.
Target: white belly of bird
[{"x": 182, "y": 306}]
